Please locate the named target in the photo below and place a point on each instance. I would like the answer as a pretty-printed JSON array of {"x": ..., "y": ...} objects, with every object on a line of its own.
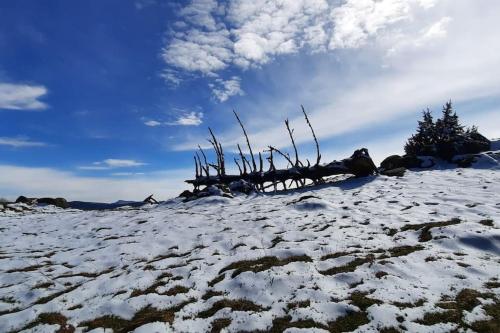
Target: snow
[{"x": 87, "y": 264}]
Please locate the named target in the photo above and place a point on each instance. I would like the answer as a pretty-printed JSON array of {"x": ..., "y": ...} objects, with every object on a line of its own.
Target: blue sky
[{"x": 106, "y": 100}]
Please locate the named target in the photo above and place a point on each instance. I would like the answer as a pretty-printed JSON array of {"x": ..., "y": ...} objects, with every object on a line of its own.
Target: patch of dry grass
[{"x": 262, "y": 264}]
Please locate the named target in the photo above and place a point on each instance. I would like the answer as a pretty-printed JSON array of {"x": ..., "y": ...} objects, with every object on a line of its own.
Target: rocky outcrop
[
  {"x": 58, "y": 202},
  {"x": 220, "y": 190},
  {"x": 396, "y": 172},
  {"x": 360, "y": 163}
]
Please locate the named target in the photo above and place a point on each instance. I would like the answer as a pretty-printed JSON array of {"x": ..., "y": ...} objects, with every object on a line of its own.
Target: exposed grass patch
[
  {"x": 147, "y": 315},
  {"x": 349, "y": 267},
  {"x": 237, "y": 246},
  {"x": 299, "y": 304},
  {"x": 211, "y": 293},
  {"x": 46, "y": 299},
  {"x": 433, "y": 318},
  {"x": 166, "y": 256},
  {"x": 337, "y": 255},
  {"x": 466, "y": 300},
  {"x": 86, "y": 274},
  {"x": 216, "y": 280},
  {"x": 425, "y": 234},
  {"x": 487, "y": 222},
  {"x": 43, "y": 285},
  {"x": 235, "y": 305},
  {"x": 400, "y": 251},
  {"x": 262, "y": 264},
  {"x": 492, "y": 325},
  {"x": 283, "y": 323},
  {"x": 389, "y": 330},
  {"x": 492, "y": 284},
  {"x": 75, "y": 307},
  {"x": 404, "y": 305},
  {"x": 361, "y": 301},
  {"x": 349, "y": 322},
  {"x": 164, "y": 275},
  {"x": 149, "y": 290},
  {"x": 276, "y": 241},
  {"x": 176, "y": 290},
  {"x": 219, "y": 324},
  {"x": 25, "y": 269},
  {"x": 52, "y": 318},
  {"x": 8, "y": 300}
]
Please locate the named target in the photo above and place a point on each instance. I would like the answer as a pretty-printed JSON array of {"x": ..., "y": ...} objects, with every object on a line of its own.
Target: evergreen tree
[
  {"x": 448, "y": 129},
  {"x": 422, "y": 143},
  {"x": 445, "y": 138}
]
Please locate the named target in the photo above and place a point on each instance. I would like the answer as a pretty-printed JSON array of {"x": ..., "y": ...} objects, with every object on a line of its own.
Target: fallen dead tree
[{"x": 297, "y": 174}]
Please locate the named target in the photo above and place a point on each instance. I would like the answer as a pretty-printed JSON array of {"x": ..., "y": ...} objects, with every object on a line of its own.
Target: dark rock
[
  {"x": 406, "y": 161},
  {"x": 186, "y": 194},
  {"x": 397, "y": 172},
  {"x": 410, "y": 161},
  {"x": 392, "y": 162},
  {"x": 58, "y": 202},
  {"x": 476, "y": 143},
  {"x": 25, "y": 200},
  {"x": 472, "y": 143},
  {"x": 242, "y": 186},
  {"x": 221, "y": 190},
  {"x": 360, "y": 163}
]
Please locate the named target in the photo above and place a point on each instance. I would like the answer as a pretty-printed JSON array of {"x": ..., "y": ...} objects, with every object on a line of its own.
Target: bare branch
[
  {"x": 261, "y": 164},
  {"x": 282, "y": 154},
  {"x": 205, "y": 160},
  {"x": 243, "y": 159},
  {"x": 290, "y": 132},
  {"x": 318, "y": 155},
  {"x": 239, "y": 168},
  {"x": 196, "y": 165},
  {"x": 248, "y": 141}
]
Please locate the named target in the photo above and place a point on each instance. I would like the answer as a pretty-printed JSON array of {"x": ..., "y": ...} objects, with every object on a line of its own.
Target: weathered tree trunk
[{"x": 359, "y": 164}]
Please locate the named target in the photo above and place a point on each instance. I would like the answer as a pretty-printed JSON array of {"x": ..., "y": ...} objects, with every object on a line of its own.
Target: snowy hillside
[{"x": 418, "y": 253}]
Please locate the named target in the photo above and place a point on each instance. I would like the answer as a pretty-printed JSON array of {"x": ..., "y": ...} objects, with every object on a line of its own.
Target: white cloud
[
  {"x": 189, "y": 119},
  {"x": 112, "y": 163},
  {"x": 435, "y": 31},
  {"x": 427, "y": 4},
  {"x": 367, "y": 89},
  {"x": 223, "y": 89},
  {"x": 125, "y": 174},
  {"x": 21, "y": 97},
  {"x": 357, "y": 20},
  {"x": 171, "y": 76},
  {"x": 20, "y": 142},
  {"x": 199, "y": 13},
  {"x": 213, "y": 36},
  {"x": 197, "y": 50},
  {"x": 245, "y": 33},
  {"x": 41, "y": 182},
  {"x": 141, "y": 4},
  {"x": 152, "y": 123},
  {"x": 115, "y": 163}
]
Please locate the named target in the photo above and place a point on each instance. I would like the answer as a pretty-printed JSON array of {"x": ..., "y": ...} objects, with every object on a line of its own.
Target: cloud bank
[
  {"x": 20, "y": 142},
  {"x": 374, "y": 61},
  {"x": 41, "y": 182}
]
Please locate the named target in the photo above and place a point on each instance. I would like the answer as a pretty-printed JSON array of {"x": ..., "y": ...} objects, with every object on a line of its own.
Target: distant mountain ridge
[{"x": 85, "y": 205}]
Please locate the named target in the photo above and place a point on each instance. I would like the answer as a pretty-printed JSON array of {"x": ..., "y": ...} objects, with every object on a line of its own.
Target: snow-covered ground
[{"x": 418, "y": 253}]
